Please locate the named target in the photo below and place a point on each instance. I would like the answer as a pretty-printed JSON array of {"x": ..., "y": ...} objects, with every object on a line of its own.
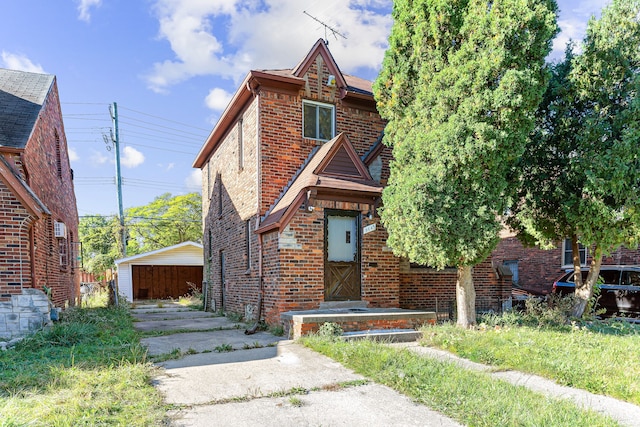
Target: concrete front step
[{"x": 299, "y": 323}]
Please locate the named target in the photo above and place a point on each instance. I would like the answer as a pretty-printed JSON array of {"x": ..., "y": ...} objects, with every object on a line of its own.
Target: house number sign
[{"x": 369, "y": 229}]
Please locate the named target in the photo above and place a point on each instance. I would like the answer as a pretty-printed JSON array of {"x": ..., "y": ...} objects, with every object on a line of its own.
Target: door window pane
[{"x": 341, "y": 239}]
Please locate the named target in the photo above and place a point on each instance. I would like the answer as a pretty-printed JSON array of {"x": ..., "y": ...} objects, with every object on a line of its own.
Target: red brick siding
[
  {"x": 538, "y": 268},
  {"x": 284, "y": 149},
  {"x": 14, "y": 245},
  {"x": 222, "y": 177},
  {"x": 295, "y": 278},
  {"x": 49, "y": 176},
  {"x": 380, "y": 268},
  {"x": 427, "y": 288}
]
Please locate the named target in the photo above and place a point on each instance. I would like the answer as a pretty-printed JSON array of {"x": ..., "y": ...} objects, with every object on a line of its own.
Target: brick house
[
  {"x": 38, "y": 215},
  {"x": 292, "y": 176},
  {"x": 536, "y": 269}
]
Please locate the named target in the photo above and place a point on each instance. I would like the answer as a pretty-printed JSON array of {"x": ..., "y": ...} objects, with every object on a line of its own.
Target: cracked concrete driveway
[{"x": 265, "y": 380}]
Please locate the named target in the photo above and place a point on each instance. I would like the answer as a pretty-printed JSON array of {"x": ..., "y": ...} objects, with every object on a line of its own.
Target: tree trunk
[
  {"x": 465, "y": 297},
  {"x": 584, "y": 289}
]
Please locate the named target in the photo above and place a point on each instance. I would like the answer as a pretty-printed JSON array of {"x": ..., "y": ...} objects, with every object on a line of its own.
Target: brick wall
[
  {"x": 430, "y": 289},
  {"x": 284, "y": 149},
  {"x": 49, "y": 175},
  {"x": 234, "y": 188},
  {"x": 44, "y": 165},
  {"x": 14, "y": 245},
  {"x": 538, "y": 268}
]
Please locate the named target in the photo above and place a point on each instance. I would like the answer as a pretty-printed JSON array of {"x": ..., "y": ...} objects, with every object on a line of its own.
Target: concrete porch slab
[{"x": 300, "y": 323}]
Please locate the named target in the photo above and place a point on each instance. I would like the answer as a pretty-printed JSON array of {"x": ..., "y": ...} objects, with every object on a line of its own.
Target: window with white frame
[
  {"x": 567, "y": 253},
  {"x": 318, "y": 120}
]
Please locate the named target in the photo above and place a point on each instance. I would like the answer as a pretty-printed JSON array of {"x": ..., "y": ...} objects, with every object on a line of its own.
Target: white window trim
[
  {"x": 333, "y": 118},
  {"x": 564, "y": 250}
]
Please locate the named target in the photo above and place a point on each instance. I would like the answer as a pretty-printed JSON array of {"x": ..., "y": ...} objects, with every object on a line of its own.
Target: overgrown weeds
[
  {"x": 87, "y": 369},
  {"x": 472, "y": 398},
  {"x": 600, "y": 356},
  {"x": 194, "y": 299}
]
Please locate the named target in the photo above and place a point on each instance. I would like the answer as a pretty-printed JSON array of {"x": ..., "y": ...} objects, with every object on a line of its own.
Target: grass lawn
[
  {"x": 472, "y": 398},
  {"x": 88, "y": 369},
  {"x": 603, "y": 358}
]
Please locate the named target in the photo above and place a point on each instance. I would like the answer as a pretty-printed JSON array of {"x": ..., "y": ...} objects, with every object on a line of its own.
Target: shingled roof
[
  {"x": 335, "y": 169},
  {"x": 22, "y": 95}
]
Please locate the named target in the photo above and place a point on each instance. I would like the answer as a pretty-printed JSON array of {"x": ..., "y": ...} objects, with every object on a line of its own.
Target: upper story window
[
  {"x": 318, "y": 120},
  {"x": 567, "y": 253}
]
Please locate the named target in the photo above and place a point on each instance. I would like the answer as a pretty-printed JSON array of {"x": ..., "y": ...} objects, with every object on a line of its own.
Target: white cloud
[
  {"x": 229, "y": 37},
  {"x": 193, "y": 182},
  {"x": 574, "y": 15},
  {"x": 73, "y": 155},
  {"x": 130, "y": 157},
  {"x": 84, "y": 8},
  {"x": 97, "y": 158},
  {"x": 218, "y": 99},
  {"x": 15, "y": 61}
]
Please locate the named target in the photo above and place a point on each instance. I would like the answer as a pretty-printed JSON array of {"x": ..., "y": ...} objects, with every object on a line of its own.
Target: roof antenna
[{"x": 335, "y": 32}]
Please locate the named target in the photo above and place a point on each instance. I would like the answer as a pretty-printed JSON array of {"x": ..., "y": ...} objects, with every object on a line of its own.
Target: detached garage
[{"x": 160, "y": 274}]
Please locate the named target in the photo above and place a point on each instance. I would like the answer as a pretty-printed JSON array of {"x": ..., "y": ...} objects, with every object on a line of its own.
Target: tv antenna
[{"x": 335, "y": 32}]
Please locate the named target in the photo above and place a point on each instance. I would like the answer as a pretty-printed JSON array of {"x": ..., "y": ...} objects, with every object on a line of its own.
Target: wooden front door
[{"x": 342, "y": 256}]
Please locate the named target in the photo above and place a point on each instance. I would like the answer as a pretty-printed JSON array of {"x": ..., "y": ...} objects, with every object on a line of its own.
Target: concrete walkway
[
  {"x": 225, "y": 377},
  {"x": 266, "y": 380},
  {"x": 625, "y": 413}
]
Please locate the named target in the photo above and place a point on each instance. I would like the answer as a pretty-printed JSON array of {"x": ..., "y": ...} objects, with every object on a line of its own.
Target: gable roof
[
  {"x": 22, "y": 191},
  {"x": 334, "y": 171},
  {"x": 22, "y": 95},
  {"x": 192, "y": 245},
  {"x": 351, "y": 87}
]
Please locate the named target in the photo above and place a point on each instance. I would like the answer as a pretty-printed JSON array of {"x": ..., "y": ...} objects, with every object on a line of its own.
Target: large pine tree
[
  {"x": 459, "y": 85},
  {"x": 581, "y": 169}
]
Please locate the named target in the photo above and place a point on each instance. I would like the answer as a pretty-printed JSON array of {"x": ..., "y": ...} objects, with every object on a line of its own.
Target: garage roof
[{"x": 160, "y": 251}]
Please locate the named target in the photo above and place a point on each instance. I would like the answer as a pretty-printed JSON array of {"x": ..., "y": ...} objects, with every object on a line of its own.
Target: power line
[
  {"x": 165, "y": 119},
  {"x": 161, "y": 126},
  {"x": 161, "y": 149}
]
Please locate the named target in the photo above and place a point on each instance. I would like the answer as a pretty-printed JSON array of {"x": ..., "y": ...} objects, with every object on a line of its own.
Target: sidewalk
[
  {"x": 269, "y": 381},
  {"x": 265, "y": 380},
  {"x": 625, "y": 413}
]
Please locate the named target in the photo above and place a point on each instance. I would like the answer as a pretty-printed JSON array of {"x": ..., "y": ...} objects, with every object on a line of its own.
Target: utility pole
[{"x": 115, "y": 138}]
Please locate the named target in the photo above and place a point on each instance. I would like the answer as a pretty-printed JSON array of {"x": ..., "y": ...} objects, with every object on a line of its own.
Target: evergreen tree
[
  {"x": 459, "y": 85},
  {"x": 581, "y": 169}
]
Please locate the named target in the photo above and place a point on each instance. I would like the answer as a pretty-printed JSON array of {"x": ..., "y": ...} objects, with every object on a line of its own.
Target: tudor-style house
[
  {"x": 38, "y": 214},
  {"x": 292, "y": 177}
]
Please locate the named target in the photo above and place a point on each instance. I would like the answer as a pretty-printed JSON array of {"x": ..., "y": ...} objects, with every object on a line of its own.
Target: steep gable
[
  {"x": 333, "y": 169},
  {"x": 320, "y": 49}
]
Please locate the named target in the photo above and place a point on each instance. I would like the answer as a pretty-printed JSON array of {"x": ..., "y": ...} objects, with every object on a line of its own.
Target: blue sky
[{"x": 172, "y": 66}]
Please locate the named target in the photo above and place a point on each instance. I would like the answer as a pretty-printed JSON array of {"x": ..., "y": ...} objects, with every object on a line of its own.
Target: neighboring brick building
[
  {"x": 536, "y": 269},
  {"x": 292, "y": 177},
  {"x": 38, "y": 215}
]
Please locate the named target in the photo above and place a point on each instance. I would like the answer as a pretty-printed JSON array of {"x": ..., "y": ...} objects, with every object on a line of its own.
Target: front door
[{"x": 342, "y": 256}]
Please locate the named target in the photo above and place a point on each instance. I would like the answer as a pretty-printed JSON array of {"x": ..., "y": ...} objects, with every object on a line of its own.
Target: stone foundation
[{"x": 24, "y": 314}]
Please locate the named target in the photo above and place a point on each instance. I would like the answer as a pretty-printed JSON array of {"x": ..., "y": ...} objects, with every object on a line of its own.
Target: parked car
[{"x": 619, "y": 288}]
